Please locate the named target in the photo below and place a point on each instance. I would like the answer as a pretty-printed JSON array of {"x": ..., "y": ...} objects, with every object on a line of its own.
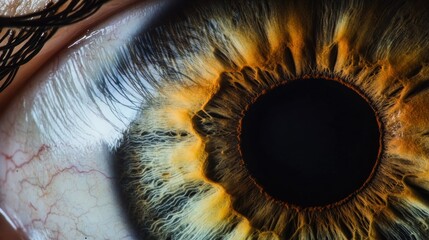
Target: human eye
[{"x": 230, "y": 120}]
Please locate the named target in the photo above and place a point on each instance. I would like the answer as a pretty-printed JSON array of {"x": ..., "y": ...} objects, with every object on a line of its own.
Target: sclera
[{"x": 56, "y": 177}]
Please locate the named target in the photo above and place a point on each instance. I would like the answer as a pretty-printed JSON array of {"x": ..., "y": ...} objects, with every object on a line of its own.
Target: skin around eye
[{"x": 17, "y": 8}]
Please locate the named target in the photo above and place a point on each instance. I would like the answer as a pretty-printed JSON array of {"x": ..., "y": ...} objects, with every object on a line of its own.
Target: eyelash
[{"x": 30, "y": 32}]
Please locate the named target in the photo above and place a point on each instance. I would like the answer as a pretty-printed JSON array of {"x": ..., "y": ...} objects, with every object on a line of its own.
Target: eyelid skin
[
  {"x": 18, "y": 7},
  {"x": 64, "y": 37}
]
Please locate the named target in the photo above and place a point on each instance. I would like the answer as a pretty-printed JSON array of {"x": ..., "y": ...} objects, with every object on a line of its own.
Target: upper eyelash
[{"x": 22, "y": 37}]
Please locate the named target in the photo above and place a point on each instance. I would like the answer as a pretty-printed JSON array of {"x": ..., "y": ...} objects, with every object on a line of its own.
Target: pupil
[{"x": 310, "y": 142}]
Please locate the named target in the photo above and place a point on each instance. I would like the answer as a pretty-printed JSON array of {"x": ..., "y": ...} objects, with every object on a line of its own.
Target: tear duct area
[{"x": 311, "y": 142}]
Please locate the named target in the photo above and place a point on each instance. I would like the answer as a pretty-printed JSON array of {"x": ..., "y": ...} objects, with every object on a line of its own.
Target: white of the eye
[{"x": 55, "y": 171}]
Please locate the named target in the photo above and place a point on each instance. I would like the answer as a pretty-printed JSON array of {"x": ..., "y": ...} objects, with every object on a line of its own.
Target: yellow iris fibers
[{"x": 378, "y": 47}]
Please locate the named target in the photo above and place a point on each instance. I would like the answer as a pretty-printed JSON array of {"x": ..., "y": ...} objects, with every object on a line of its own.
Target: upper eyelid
[
  {"x": 24, "y": 36},
  {"x": 62, "y": 12}
]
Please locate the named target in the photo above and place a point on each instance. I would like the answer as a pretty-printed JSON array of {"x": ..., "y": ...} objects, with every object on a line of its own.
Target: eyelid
[{"x": 63, "y": 38}]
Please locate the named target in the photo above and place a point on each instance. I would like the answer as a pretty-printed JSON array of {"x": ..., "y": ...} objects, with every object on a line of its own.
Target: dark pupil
[{"x": 310, "y": 142}]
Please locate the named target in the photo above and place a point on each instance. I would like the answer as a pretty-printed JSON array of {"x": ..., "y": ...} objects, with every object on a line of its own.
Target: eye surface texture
[{"x": 141, "y": 126}]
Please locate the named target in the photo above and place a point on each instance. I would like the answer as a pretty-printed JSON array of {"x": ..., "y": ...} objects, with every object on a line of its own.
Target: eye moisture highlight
[{"x": 310, "y": 142}]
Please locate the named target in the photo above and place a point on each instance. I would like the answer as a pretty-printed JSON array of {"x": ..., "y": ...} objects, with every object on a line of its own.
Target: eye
[{"x": 170, "y": 113}]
